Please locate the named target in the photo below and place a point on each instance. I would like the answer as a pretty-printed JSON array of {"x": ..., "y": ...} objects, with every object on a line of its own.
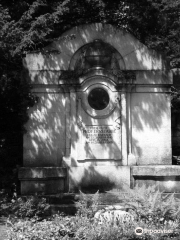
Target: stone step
[
  {"x": 71, "y": 209},
  {"x": 104, "y": 198},
  {"x": 67, "y": 209},
  {"x": 63, "y": 198},
  {"x": 70, "y": 198},
  {"x": 66, "y": 203}
]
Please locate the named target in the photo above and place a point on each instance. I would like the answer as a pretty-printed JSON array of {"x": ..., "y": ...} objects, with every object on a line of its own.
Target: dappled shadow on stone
[{"x": 139, "y": 111}]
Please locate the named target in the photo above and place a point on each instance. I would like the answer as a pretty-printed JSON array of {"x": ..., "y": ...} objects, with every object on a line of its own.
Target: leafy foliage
[
  {"x": 15, "y": 96},
  {"x": 83, "y": 227},
  {"x": 151, "y": 206},
  {"x": 38, "y": 22},
  {"x": 87, "y": 205},
  {"x": 64, "y": 227},
  {"x": 27, "y": 207}
]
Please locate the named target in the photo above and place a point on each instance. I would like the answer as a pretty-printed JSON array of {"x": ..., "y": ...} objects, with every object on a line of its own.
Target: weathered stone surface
[
  {"x": 154, "y": 77},
  {"x": 166, "y": 178},
  {"x": 43, "y": 187},
  {"x": 102, "y": 177},
  {"x": 44, "y": 143},
  {"x": 151, "y": 128},
  {"x": 42, "y": 172},
  {"x": 43, "y": 180},
  {"x": 97, "y": 145},
  {"x": 136, "y": 55},
  {"x": 157, "y": 171},
  {"x": 112, "y": 216}
]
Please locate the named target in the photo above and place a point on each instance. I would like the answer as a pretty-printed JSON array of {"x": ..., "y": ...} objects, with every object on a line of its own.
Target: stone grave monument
[{"x": 103, "y": 117}]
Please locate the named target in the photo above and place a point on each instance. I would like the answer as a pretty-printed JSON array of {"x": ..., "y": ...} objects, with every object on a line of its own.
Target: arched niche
[{"x": 97, "y": 54}]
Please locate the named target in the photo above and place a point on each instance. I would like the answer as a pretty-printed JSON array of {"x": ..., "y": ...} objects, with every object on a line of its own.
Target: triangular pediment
[{"x": 57, "y": 56}]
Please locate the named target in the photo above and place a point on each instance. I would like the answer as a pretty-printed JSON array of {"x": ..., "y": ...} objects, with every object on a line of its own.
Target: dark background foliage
[{"x": 29, "y": 25}]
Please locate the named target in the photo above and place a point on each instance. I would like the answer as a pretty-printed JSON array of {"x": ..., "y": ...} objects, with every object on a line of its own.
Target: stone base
[
  {"x": 92, "y": 178},
  {"x": 43, "y": 180},
  {"x": 54, "y": 180},
  {"x": 165, "y": 177}
]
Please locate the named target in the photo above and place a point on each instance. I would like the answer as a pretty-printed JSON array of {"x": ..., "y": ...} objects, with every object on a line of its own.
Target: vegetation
[
  {"x": 23, "y": 207},
  {"x": 87, "y": 206},
  {"x": 144, "y": 203},
  {"x": 149, "y": 205}
]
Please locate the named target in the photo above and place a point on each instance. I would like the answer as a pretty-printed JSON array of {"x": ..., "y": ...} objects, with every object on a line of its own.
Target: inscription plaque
[{"x": 99, "y": 134}]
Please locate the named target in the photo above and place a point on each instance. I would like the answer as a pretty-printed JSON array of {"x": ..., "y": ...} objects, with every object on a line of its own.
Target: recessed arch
[{"x": 108, "y": 52}]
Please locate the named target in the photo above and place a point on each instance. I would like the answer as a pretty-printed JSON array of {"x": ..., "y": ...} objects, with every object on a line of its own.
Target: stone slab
[
  {"x": 154, "y": 77},
  {"x": 43, "y": 180},
  {"x": 42, "y": 172},
  {"x": 165, "y": 170},
  {"x": 151, "y": 128},
  {"x": 166, "y": 178},
  {"x": 37, "y": 186},
  {"x": 103, "y": 178}
]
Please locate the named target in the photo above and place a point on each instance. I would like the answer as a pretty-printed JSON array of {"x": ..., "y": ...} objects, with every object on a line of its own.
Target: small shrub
[
  {"x": 26, "y": 207},
  {"x": 68, "y": 228},
  {"x": 83, "y": 227},
  {"x": 149, "y": 205},
  {"x": 87, "y": 205}
]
